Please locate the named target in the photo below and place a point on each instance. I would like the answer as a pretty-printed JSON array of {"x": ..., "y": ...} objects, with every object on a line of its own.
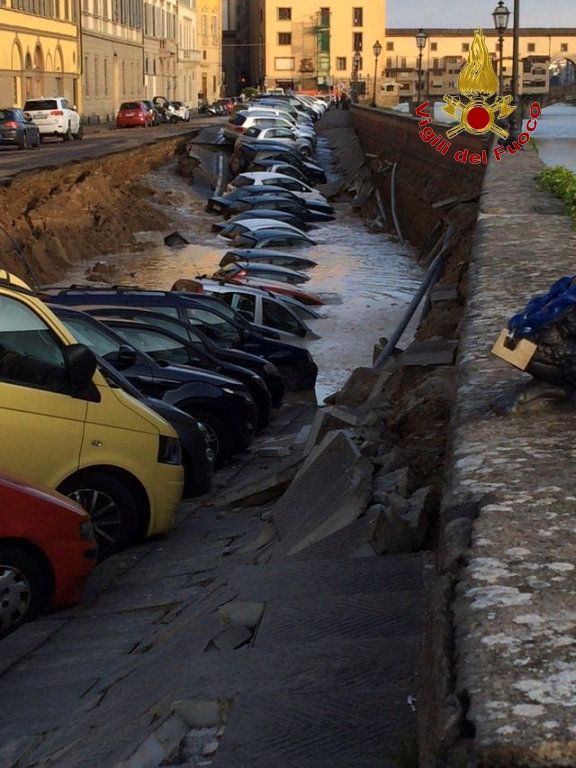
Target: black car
[
  {"x": 203, "y": 345},
  {"x": 273, "y": 201},
  {"x": 224, "y": 406},
  {"x": 165, "y": 347},
  {"x": 262, "y": 196},
  {"x": 197, "y": 454},
  {"x": 249, "y": 153},
  {"x": 157, "y": 118},
  {"x": 295, "y": 364},
  {"x": 18, "y": 129}
]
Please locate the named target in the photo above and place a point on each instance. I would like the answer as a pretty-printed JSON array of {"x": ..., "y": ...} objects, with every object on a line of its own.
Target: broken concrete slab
[
  {"x": 265, "y": 488},
  {"x": 329, "y": 492},
  {"x": 175, "y": 240},
  {"x": 429, "y": 353},
  {"x": 362, "y": 384},
  {"x": 402, "y": 525},
  {"x": 390, "y": 482}
]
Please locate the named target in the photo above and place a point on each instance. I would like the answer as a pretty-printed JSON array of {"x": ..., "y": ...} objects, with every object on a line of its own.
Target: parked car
[
  {"x": 266, "y": 256},
  {"x": 266, "y": 271},
  {"x": 54, "y": 116},
  {"x": 242, "y": 226},
  {"x": 272, "y": 237},
  {"x": 197, "y": 451},
  {"x": 156, "y": 116},
  {"x": 204, "y": 347},
  {"x": 281, "y": 200},
  {"x": 178, "y": 112},
  {"x": 278, "y": 134},
  {"x": 251, "y": 152},
  {"x": 47, "y": 550},
  {"x": 18, "y": 130},
  {"x": 296, "y": 365},
  {"x": 267, "y": 213},
  {"x": 262, "y": 307},
  {"x": 223, "y": 405},
  {"x": 91, "y": 442},
  {"x": 133, "y": 114},
  {"x": 167, "y": 348},
  {"x": 229, "y": 105},
  {"x": 272, "y": 166},
  {"x": 278, "y": 181}
]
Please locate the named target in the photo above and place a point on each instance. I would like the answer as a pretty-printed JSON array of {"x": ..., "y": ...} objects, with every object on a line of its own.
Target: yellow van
[{"x": 63, "y": 425}]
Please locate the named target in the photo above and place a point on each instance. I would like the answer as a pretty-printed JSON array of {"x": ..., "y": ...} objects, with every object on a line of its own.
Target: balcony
[{"x": 189, "y": 55}]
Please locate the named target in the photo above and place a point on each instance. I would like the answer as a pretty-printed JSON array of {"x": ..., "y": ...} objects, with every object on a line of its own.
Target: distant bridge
[{"x": 559, "y": 93}]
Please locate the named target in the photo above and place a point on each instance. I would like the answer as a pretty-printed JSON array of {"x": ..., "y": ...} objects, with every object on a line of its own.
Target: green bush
[{"x": 562, "y": 183}]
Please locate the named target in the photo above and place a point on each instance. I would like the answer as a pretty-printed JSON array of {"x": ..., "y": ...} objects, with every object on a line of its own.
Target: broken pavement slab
[
  {"x": 330, "y": 491},
  {"x": 437, "y": 352}
]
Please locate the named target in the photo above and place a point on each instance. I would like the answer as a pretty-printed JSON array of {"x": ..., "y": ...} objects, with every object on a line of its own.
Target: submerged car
[
  {"x": 273, "y": 238},
  {"x": 268, "y": 271},
  {"x": 245, "y": 226},
  {"x": 266, "y": 256},
  {"x": 47, "y": 550},
  {"x": 264, "y": 213},
  {"x": 278, "y": 181}
]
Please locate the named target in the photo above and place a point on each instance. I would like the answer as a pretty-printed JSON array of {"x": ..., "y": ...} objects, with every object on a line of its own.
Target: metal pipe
[
  {"x": 393, "y": 203},
  {"x": 429, "y": 279}
]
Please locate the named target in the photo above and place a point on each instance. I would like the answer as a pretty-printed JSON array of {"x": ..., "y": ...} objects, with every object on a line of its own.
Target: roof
[{"x": 488, "y": 32}]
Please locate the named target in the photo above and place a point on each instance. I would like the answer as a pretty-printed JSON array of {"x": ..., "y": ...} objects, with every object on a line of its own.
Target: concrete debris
[
  {"x": 380, "y": 345},
  {"x": 231, "y": 638},
  {"x": 402, "y": 525},
  {"x": 430, "y": 353},
  {"x": 263, "y": 489},
  {"x": 329, "y": 492},
  {"x": 363, "y": 384},
  {"x": 241, "y": 613},
  {"x": 203, "y": 713},
  {"x": 273, "y": 451},
  {"x": 327, "y": 420},
  {"x": 175, "y": 240},
  {"x": 386, "y": 483}
]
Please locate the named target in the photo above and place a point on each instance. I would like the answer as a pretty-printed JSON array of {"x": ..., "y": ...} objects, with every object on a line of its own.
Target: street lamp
[
  {"x": 501, "y": 15},
  {"x": 421, "y": 40},
  {"x": 517, "y": 114},
  {"x": 355, "y": 68},
  {"x": 377, "y": 50}
]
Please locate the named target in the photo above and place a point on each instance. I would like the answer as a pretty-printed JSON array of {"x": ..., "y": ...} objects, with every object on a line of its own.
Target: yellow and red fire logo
[
  {"x": 477, "y": 111},
  {"x": 478, "y": 84}
]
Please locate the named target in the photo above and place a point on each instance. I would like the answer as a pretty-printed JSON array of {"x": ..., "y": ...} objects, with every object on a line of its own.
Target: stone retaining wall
[{"x": 500, "y": 687}]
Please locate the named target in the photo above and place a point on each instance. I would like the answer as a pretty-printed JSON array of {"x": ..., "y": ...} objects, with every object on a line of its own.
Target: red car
[
  {"x": 132, "y": 114},
  {"x": 47, "y": 549}
]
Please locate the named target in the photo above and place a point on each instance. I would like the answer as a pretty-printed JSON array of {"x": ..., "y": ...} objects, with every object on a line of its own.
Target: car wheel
[
  {"x": 38, "y": 141},
  {"x": 110, "y": 505},
  {"x": 195, "y": 483},
  {"x": 79, "y": 133},
  {"x": 23, "y": 143},
  {"x": 24, "y": 587},
  {"x": 218, "y": 437},
  {"x": 68, "y": 135}
]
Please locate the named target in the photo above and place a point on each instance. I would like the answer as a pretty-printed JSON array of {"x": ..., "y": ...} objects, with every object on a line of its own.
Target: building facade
[
  {"x": 112, "y": 55},
  {"x": 39, "y": 50},
  {"x": 188, "y": 54},
  {"x": 298, "y": 45},
  {"x": 210, "y": 45},
  {"x": 546, "y": 56}
]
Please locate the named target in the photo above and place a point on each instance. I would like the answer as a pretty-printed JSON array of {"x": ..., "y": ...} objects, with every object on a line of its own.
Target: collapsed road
[{"x": 280, "y": 622}]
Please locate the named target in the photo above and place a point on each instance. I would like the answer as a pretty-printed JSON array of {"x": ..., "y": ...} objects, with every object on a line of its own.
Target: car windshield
[
  {"x": 130, "y": 105},
  {"x": 35, "y": 104},
  {"x": 215, "y": 327},
  {"x": 157, "y": 345},
  {"x": 97, "y": 338}
]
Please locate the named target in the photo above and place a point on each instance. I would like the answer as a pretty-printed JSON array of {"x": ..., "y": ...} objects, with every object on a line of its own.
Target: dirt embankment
[{"x": 76, "y": 213}]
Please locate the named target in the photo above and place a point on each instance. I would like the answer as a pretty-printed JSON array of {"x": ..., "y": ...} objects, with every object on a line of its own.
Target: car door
[
  {"x": 41, "y": 424},
  {"x": 282, "y": 320}
]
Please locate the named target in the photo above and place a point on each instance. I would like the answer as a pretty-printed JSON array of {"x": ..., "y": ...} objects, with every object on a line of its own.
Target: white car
[
  {"x": 54, "y": 116},
  {"x": 277, "y": 134},
  {"x": 278, "y": 181},
  {"x": 262, "y": 308},
  {"x": 178, "y": 111}
]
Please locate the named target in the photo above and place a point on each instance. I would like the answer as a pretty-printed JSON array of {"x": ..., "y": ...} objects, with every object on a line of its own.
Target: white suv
[{"x": 55, "y": 117}]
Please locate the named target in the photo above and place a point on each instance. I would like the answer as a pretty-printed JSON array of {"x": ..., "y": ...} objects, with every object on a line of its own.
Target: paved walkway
[{"x": 515, "y": 608}]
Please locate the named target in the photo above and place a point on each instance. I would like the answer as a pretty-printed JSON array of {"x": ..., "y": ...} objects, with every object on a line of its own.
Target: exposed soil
[{"x": 60, "y": 217}]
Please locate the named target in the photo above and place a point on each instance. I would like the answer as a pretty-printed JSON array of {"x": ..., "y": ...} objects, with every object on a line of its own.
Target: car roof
[
  {"x": 262, "y": 223},
  {"x": 258, "y": 175}
]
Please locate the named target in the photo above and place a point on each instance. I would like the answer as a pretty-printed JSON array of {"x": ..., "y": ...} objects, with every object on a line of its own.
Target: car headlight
[
  {"x": 86, "y": 531},
  {"x": 271, "y": 370},
  {"x": 206, "y": 435},
  {"x": 169, "y": 451}
]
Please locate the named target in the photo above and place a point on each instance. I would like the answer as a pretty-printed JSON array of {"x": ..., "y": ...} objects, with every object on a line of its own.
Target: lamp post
[
  {"x": 377, "y": 50},
  {"x": 501, "y": 15},
  {"x": 517, "y": 114},
  {"x": 421, "y": 40},
  {"x": 355, "y": 68}
]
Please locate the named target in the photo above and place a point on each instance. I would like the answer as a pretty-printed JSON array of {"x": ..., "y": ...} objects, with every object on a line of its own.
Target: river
[
  {"x": 366, "y": 279},
  {"x": 555, "y": 135}
]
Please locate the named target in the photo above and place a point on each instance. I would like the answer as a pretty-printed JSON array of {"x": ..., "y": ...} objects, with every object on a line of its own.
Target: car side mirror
[
  {"x": 81, "y": 365},
  {"x": 127, "y": 357}
]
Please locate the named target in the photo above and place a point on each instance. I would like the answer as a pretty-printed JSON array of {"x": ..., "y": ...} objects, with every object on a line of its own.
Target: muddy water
[{"x": 366, "y": 279}]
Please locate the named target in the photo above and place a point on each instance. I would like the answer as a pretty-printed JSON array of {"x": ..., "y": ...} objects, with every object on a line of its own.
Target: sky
[{"x": 477, "y": 13}]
